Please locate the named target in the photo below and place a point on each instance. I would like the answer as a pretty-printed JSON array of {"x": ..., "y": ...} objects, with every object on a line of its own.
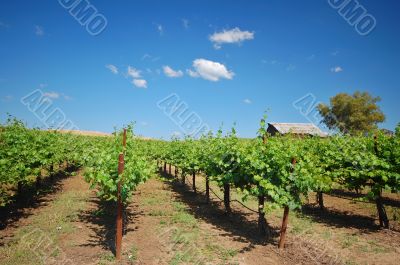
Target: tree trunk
[
  {"x": 51, "y": 172},
  {"x": 19, "y": 187},
  {"x": 227, "y": 199},
  {"x": 320, "y": 200},
  {"x": 170, "y": 169},
  {"x": 262, "y": 223},
  {"x": 383, "y": 219},
  {"x": 194, "y": 182},
  {"x": 183, "y": 178},
  {"x": 207, "y": 189},
  {"x": 165, "y": 167},
  {"x": 176, "y": 172},
  {"x": 284, "y": 227},
  {"x": 38, "y": 182}
]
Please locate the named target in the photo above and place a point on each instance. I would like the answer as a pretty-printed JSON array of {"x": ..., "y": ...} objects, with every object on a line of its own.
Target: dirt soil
[{"x": 346, "y": 233}]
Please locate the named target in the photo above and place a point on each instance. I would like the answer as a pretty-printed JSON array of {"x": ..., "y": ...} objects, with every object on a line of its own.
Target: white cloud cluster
[
  {"x": 160, "y": 28},
  {"x": 336, "y": 69},
  {"x": 56, "y": 95},
  {"x": 133, "y": 72},
  {"x": 136, "y": 75},
  {"x": 168, "y": 71},
  {"x": 53, "y": 95},
  {"x": 141, "y": 83},
  {"x": 230, "y": 36},
  {"x": 112, "y": 68},
  {"x": 209, "y": 70},
  {"x": 247, "y": 101}
]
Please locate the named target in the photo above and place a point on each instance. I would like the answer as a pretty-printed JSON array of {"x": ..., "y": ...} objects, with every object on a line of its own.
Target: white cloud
[
  {"x": 43, "y": 85},
  {"x": 185, "y": 23},
  {"x": 53, "y": 95},
  {"x": 209, "y": 70},
  {"x": 192, "y": 73},
  {"x": 141, "y": 83},
  {"x": 230, "y": 36},
  {"x": 336, "y": 69},
  {"x": 134, "y": 73},
  {"x": 160, "y": 29},
  {"x": 39, "y": 31},
  {"x": 168, "y": 71},
  {"x": 247, "y": 101},
  {"x": 112, "y": 68},
  {"x": 144, "y": 123}
]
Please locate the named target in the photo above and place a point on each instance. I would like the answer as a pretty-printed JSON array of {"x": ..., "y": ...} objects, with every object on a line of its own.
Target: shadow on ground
[
  {"x": 239, "y": 226},
  {"x": 101, "y": 219},
  {"x": 31, "y": 198},
  {"x": 340, "y": 219}
]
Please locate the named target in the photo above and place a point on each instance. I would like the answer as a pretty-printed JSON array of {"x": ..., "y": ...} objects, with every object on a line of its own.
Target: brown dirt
[
  {"x": 352, "y": 228},
  {"x": 31, "y": 203}
]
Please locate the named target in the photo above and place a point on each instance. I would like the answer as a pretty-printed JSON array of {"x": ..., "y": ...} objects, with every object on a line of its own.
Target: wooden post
[
  {"x": 262, "y": 223},
  {"x": 118, "y": 234},
  {"x": 284, "y": 227},
  {"x": 207, "y": 189},
  {"x": 51, "y": 172},
  {"x": 227, "y": 199},
  {"x": 170, "y": 169},
  {"x": 285, "y": 220},
  {"x": 383, "y": 219},
  {"x": 194, "y": 182},
  {"x": 183, "y": 177},
  {"x": 165, "y": 167},
  {"x": 320, "y": 200}
]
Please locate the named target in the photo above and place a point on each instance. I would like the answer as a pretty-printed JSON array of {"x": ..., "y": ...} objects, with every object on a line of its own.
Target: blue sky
[{"x": 228, "y": 61}]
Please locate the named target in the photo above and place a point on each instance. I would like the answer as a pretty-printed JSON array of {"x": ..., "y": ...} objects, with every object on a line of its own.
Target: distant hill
[{"x": 86, "y": 133}]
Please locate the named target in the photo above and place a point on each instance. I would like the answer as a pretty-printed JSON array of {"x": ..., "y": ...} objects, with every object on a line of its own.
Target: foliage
[{"x": 353, "y": 114}]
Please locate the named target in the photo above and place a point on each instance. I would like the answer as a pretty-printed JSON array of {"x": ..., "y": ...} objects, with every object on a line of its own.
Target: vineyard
[{"x": 276, "y": 172}]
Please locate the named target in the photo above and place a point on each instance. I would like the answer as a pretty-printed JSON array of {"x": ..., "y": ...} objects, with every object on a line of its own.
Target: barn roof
[{"x": 298, "y": 128}]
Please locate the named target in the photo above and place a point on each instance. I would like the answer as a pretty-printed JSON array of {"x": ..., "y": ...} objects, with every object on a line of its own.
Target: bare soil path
[{"x": 166, "y": 223}]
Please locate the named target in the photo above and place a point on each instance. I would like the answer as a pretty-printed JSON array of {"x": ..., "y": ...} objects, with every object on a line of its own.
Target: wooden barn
[{"x": 300, "y": 129}]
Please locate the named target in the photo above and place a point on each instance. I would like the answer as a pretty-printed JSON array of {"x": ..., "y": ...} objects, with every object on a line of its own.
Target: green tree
[{"x": 352, "y": 114}]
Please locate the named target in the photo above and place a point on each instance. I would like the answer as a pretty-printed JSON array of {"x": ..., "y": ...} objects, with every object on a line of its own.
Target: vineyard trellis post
[
  {"x": 320, "y": 200},
  {"x": 183, "y": 177},
  {"x": 194, "y": 181},
  {"x": 207, "y": 189},
  {"x": 383, "y": 219},
  {"x": 119, "y": 224},
  {"x": 285, "y": 218},
  {"x": 262, "y": 223},
  {"x": 227, "y": 199}
]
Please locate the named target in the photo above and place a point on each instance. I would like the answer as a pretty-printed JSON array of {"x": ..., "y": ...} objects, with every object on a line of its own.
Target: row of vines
[
  {"x": 280, "y": 171},
  {"x": 29, "y": 156}
]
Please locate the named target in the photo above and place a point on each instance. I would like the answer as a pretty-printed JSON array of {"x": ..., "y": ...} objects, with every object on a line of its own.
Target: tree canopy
[{"x": 352, "y": 114}]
